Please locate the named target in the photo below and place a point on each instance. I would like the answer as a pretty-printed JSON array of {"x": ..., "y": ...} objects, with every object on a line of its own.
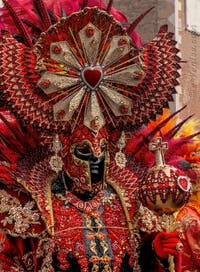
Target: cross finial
[{"x": 159, "y": 147}]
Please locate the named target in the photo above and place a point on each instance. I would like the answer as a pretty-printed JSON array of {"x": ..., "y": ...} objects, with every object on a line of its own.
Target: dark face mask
[
  {"x": 96, "y": 164},
  {"x": 84, "y": 152}
]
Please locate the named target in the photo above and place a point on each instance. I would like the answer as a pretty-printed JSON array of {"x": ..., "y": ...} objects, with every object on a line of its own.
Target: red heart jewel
[
  {"x": 92, "y": 76},
  {"x": 184, "y": 183}
]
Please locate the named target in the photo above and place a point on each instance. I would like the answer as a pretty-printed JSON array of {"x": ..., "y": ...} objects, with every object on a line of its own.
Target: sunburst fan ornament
[
  {"x": 85, "y": 70},
  {"x": 90, "y": 70}
]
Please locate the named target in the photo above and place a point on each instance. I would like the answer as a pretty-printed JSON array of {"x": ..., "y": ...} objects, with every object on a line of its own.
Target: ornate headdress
[
  {"x": 85, "y": 69},
  {"x": 73, "y": 71},
  {"x": 60, "y": 73}
]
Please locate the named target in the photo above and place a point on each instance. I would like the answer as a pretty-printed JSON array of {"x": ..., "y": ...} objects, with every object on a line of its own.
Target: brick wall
[
  {"x": 163, "y": 13},
  {"x": 190, "y": 78}
]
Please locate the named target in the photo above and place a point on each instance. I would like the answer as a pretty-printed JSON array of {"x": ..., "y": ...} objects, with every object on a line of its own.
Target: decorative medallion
[
  {"x": 88, "y": 77},
  {"x": 85, "y": 70},
  {"x": 92, "y": 77}
]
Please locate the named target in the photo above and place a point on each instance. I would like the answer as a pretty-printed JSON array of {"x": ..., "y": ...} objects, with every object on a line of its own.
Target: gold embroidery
[
  {"x": 44, "y": 251},
  {"x": 28, "y": 261},
  {"x": 21, "y": 217},
  {"x": 98, "y": 223},
  {"x": 93, "y": 247},
  {"x": 45, "y": 207},
  {"x": 149, "y": 221},
  {"x": 91, "y": 43},
  {"x": 88, "y": 223},
  {"x": 104, "y": 245},
  {"x": 107, "y": 268},
  {"x": 95, "y": 268}
]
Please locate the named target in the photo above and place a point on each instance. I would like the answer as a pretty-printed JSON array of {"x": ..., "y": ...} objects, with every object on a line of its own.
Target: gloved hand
[{"x": 165, "y": 243}]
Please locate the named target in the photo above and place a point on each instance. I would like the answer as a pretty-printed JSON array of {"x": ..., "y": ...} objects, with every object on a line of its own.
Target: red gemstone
[
  {"x": 95, "y": 124},
  {"x": 138, "y": 75},
  {"x": 90, "y": 31},
  {"x": 61, "y": 114},
  {"x": 124, "y": 109},
  {"x": 57, "y": 49},
  {"x": 122, "y": 42},
  {"x": 92, "y": 76},
  {"x": 45, "y": 83},
  {"x": 184, "y": 183}
]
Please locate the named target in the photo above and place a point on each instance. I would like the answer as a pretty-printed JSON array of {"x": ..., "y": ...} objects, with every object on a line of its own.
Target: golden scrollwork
[{"x": 20, "y": 216}]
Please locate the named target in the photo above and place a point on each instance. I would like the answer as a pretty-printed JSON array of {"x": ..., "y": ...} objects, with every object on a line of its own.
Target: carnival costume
[{"x": 76, "y": 83}]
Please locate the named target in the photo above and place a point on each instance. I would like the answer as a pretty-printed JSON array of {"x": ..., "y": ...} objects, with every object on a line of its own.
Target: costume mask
[{"x": 86, "y": 159}]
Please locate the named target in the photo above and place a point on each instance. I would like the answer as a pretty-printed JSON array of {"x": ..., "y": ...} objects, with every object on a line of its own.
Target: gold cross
[{"x": 159, "y": 147}]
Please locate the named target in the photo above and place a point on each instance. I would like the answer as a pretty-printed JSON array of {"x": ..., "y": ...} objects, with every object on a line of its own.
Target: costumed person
[{"x": 75, "y": 83}]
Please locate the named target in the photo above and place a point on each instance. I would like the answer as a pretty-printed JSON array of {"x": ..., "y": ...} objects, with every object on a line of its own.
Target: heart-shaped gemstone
[
  {"x": 92, "y": 76},
  {"x": 184, "y": 183}
]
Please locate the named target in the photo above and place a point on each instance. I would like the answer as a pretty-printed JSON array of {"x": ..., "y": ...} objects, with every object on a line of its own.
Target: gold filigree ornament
[
  {"x": 22, "y": 217},
  {"x": 95, "y": 268},
  {"x": 107, "y": 268},
  {"x": 91, "y": 73},
  {"x": 56, "y": 162},
  {"x": 120, "y": 157}
]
